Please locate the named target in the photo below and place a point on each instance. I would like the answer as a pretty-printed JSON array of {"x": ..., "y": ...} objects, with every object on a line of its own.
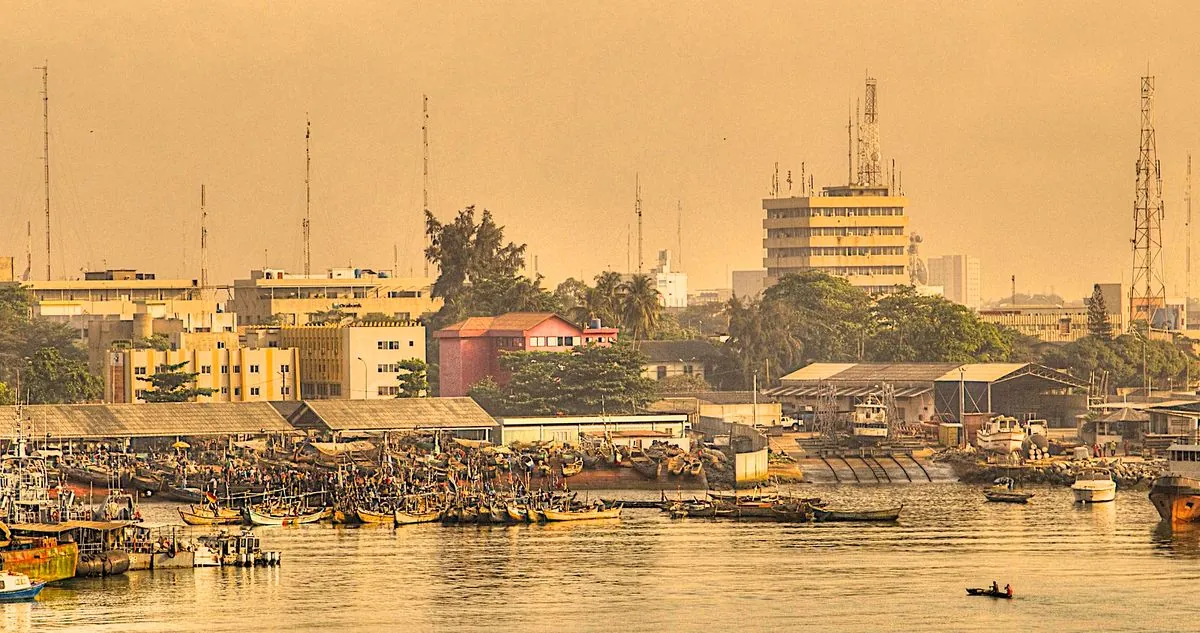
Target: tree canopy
[
  {"x": 413, "y": 380},
  {"x": 53, "y": 367},
  {"x": 1099, "y": 324},
  {"x": 1122, "y": 357},
  {"x": 172, "y": 384}
]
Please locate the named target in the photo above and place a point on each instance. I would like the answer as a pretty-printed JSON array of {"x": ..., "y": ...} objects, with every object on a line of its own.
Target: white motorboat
[
  {"x": 1094, "y": 485},
  {"x": 15, "y": 587},
  {"x": 870, "y": 423},
  {"x": 1001, "y": 434}
]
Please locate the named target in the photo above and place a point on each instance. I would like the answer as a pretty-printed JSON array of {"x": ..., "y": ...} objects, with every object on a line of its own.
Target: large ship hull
[
  {"x": 1002, "y": 442},
  {"x": 1176, "y": 498},
  {"x": 47, "y": 561}
]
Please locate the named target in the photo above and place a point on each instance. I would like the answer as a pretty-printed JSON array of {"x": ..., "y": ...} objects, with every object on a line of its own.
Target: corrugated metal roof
[
  {"x": 982, "y": 372},
  {"x": 813, "y": 391},
  {"x": 512, "y": 323},
  {"x": 818, "y": 371},
  {"x": 166, "y": 419},
  {"x": 393, "y": 413},
  {"x": 675, "y": 351}
]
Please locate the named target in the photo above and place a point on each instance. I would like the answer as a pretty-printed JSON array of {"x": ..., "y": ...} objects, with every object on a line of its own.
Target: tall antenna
[
  {"x": 1147, "y": 288},
  {"x": 307, "y": 198},
  {"x": 46, "y": 151},
  {"x": 395, "y": 260},
  {"x": 637, "y": 207},
  {"x": 28, "y": 274},
  {"x": 849, "y": 146},
  {"x": 1187, "y": 268},
  {"x": 425, "y": 168},
  {"x": 203, "y": 245},
  {"x": 868, "y": 138}
]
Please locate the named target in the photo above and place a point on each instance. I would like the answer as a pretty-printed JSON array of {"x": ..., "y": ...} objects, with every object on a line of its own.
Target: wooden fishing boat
[
  {"x": 406, "y": 518},
  {"x": 534, "y": 515},
  {"x": 375, "y": 517},
  {"x": 286, "y": 517},
  {"x": 884, "y": 515},
  {"x": 988, "y": 593},
  {"x": 645, "y": 466},
  {"x": 498, "y": 514},
  {"x": 696, "y": 468},
  {"x": 468, "y": 515},
  {"x": 184, "y": 494},
  {"x": 516, "y": 513},
  {"x": 1007, "y": 496},
  {"x": 146, "y": 483},
  {"x": 572, "y": 468},
  {"x": 216, "y": 511},
  {"x": 675, "y": 465},
  {"x": 192, "y": 518},
  {"x": 581, "y": 515}
]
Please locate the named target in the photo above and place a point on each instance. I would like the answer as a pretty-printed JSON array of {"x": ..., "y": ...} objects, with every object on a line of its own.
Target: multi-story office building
[
  {"x": 236, "y": 374},
  {"x": 852, "y": 231},
  {"x": 959, "y": 277},
  {"x": 356, "y": 361},
  {"x": 276, "y": 297},
  {"x": 671, "y": 284},
  {"x": 119, "y": 295}
]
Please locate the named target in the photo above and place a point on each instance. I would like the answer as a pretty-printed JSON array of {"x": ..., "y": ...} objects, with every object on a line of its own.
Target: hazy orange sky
[{"x": 1015, "y": 126}]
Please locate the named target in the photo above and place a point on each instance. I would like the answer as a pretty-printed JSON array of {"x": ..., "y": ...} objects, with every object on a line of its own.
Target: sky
[{"x": 1014, "y": 125}]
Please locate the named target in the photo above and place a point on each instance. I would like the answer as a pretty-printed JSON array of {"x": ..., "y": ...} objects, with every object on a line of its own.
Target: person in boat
[
  {"x": 1008, "y": 590},
  {"x": 995, "y": 587}
]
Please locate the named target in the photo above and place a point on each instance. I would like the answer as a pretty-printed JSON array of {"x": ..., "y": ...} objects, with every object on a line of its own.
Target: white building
[
  {"x": 959, "y": 277},
  {"x": 672, "y": 285}
]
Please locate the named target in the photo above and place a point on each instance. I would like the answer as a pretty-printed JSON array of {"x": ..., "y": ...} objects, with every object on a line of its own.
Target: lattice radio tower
[
  {"x": 869, "y": 157},
  {"x": 1147, "y": 289}
]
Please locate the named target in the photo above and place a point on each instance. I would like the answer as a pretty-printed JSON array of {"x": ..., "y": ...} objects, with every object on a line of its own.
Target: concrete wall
[
  {"x": 567, "y": 429},
  {"x": 749, "y": 468},
  {"x": 769, "y": 413}
]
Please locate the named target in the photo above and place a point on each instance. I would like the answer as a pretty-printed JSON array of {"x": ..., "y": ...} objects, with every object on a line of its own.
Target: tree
[
  {"x": 1122, "y": 359},
  {"x": 22, "y": 335},
  {"x": 826, "y": 314},
  {"x": 906, "y": 327},
  {"x": 571, "y": 295},
  {"x": 51, "y": 378},
  {"x": 172, "y": 384},
  {"x": 686, "y": 383},
  {"x": 158, "y": 342},
  {"x": 762, "y": 336},
  {"x": 587, "y": 380},
  {"x": 7, "y": 396},
  {"x": 1099, "y": 324},
  {"x": 413, "y": 380},
  {"x": 640, "y": 308}
]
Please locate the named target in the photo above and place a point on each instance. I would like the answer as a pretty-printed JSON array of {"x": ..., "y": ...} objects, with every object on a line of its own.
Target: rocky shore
[{"x": 1130, "y": 474}]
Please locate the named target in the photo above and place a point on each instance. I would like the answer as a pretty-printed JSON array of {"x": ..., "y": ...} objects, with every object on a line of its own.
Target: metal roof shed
[
  {"x": 1007, "y": 388},
  {"x": 394, "y": 414},
  {"x": 130, "y": 420}
]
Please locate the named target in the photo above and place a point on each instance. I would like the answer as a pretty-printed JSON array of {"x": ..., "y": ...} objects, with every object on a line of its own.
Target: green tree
[
  {"x": 686, "y": 383},
  {"x": 7, "y": 396},
  {"x": 1122, "y": 359},
  {"x": 172, "y": 384},
  {"x": 640, "y": 309},
  {"x": 907, "y": 327},
  {"x": 51, "y": 378},
  {"x": 413, "y": 380},
  {"x": 826, "y": 314},
  {"x": 762, "y": 340},
  {"x": 571, "y": 295},
  {"x": 158, "y": 342},
  {"x": 1099, "y": 324}
]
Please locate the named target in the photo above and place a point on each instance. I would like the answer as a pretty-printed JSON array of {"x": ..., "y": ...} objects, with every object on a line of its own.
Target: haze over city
[{"x": 1015, "y": 127}]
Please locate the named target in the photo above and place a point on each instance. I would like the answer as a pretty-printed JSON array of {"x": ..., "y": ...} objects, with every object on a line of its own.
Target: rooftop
[
  {"x": 167, "y": 419},
  {"x": 391, "y": 414},
  {"x": 673, "y": 351}
]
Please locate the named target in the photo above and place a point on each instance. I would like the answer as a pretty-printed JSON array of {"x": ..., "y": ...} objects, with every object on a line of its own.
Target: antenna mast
[
  {"x": 1187, "y": 200},
  {"x": 637, "y": 207},
  {"x": 425, "y": 168},
  {"x": 203, "y": 246},
  {"x": 46, "y": 151},
  {"x": 868, "y": 137},
  {"x": 307, "y": 198},
  {"x": 1147, "y": 289},
  {"x": 28, "y": 274}
]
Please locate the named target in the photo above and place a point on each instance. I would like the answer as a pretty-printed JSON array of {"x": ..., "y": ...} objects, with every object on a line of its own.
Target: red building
[{"x": 469, "y": 351}]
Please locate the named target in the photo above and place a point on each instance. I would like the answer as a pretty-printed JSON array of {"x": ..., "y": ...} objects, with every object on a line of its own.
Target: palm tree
[
  {"x": 603, "y": 301},
  {"x": 640, "y": 308}
]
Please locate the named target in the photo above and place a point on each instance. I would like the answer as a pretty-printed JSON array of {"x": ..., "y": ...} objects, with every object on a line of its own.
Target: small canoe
[
  {"x": 1007, "y": 496},
  {"x": 498, "y": 514},
  {"x": 207, "y": 511},
  {"x": 571, "y": 469},
  {"x": 696, "y": 468},
  {"x": 885, "y": 515},
  {"x": 468, "y": 515},
  {"x": 209, "y": 519},
  {"x": 406, "y": 518},
  {"x": 376, "y": 517},
  {"x": 534, "y": 515},
  {"x": 988, "y": 593},
  {"x": 259, "y": 518},
  {"x": 556, "y": 515}
]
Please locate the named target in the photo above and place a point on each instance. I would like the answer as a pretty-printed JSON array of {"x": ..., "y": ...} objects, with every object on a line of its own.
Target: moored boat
[
  {"x": 285, "y": 517},
  {"x": 884, "y": 514},
  {"x": 1004, "y": 490},
  {"x": 367, "y": 516},
  {"x": 192, "y": 518},
  {"x": 1176, "y": 495},
  {"x": 1001, "y": 434},
  {"x": 408, "y": 518},
  {"x": 870, "y": 422},
  {"x": 581, "y": 515},
  {"x": 1094, "y": 485}
]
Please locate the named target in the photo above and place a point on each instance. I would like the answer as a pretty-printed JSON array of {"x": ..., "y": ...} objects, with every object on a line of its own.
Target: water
[{"x": 1109, "y": 567}]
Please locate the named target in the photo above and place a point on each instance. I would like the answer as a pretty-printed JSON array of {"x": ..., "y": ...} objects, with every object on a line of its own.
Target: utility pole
[
  {"x": 679, "y": 230},
  {"x": 869, "y": 173},
  {"x": 425, "y": 171},
  {"x": 307, "y": 198},
  {"x": 1187, "y": 201},
  {"x": 28, "y": 274},
  {"x": 46, "y": 151},
  {"x": 637, "y": 207}
]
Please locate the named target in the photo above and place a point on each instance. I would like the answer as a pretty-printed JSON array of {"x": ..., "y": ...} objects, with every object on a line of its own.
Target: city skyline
[{"x": 1036, "y": 130}]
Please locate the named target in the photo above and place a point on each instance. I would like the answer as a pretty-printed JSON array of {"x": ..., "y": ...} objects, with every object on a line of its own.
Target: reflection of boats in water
[
  {"x": 1094, "y": 485},
  {"x": 870, "y": 422},
  {"x": 1176, "y": 495}
]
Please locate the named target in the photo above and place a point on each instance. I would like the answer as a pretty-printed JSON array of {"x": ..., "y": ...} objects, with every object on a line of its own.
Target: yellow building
[
  {"x": 120, "y": 294},
  {"x": 856, "y": 232},
  {"x": 1052, "y": 324},
  {"x": 275, "y": 297},
  {"x": 356, "y": 361},
  {"x": 238, "y": 374}
]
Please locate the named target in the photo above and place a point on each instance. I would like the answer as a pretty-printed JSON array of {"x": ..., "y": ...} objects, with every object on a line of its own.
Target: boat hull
[
  {"x": 1176, "y": 498},
  {"x": 23, "y": 595},
  {"x": 295, "y": 519},
  {"x": 376, "y": 517},
  {"x": 554, "y": 515},
  {"x": 884, "y": 515},
  {"x": 199, "y": 519},
  {"x": 405, "y": 518},
  {"x": 1094, "y": 494},
  {"x": 46, "y": 562}
]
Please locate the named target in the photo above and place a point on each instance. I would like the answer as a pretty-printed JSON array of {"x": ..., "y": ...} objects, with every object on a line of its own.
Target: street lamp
[{"x": 366, "y": 394}]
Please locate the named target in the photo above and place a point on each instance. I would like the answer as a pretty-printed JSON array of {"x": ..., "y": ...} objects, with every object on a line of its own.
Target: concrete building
[
  {"x": 630, "y": 430},
  {"x": 1052, "y": 324},
  {"x": 469, "y": 350},
  {"x": 667, "y": 359},
  {"x": 852, "y": 231},
  {"x": 749, "y": 284},
  {"x": 959, "y": 276},
  {"x": 710, "y": 295},
  {"x": 671, "y": 284},
  {"x": 234, "y": 374},
  {"x": 359, "y": 361},
  {"x": 213, "y": 330},
  {"x": 276, "y": 297},
  {"x": 120, "y": 294}
]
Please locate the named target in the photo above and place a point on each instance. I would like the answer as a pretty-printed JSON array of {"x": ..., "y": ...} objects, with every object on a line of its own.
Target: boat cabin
[{"x": 1184, "y": 459}]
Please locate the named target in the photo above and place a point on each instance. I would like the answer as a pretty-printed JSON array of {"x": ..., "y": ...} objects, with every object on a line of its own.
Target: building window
[
  {"x": 662, "y": 371},
  {"x": 283, "y": 369},
  {"x": 389, "y": 390},
  {"x": 220, "y": 344},
  {"x": 335, "y": 389},
  {"x": 237, "y": 391},
  {"x": 412, "y": 343},
  {"x": 206, "y": 369},
  {"x": 140, "y": 371},
  {"x": 688, "y": 370},
  {"x": 254, "y": 391},
  {"x": 285, "y": 390},
  {"x": 224, "y": 369},
  {"x": 224, "y": 390},
  {"x": 140, "y": 394},
  {"x": 254, "y": 369},
  {"x": 237, "y": 369}
]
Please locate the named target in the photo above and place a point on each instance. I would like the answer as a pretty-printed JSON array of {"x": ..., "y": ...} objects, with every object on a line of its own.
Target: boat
[
  {"x": 408, "y": 518},
  {"x": 534, "y": 515},
  {"x": 989, "y": 593},
  {"x": 376, "y": 517},
  {"x": 1176, "y": 495},
  {"x": 498, "y": 513},
  {"x": 184, "y": 493},
  {"x": 1002, "y": 434},
  {"x": 1003, "y": 490},
  {"x": 285, "y": 517},
  {"x": 1094, "y": 485},
  {"x": 869, "y": 424},
  {"x": 571, "y": 464},
  {"x": 581, "y": 515},
  {"x": 884, "y": 515},
  {"x": 675, "y": 465},
  {"x": 696, "y": 468},
  {"x": 205, "y": 556},
  {"x": 191, "y": 518},
  {"x": 516, "y": 513},
  {"x": 645, "y": 466},
  {"x": 17, "y": 587}
]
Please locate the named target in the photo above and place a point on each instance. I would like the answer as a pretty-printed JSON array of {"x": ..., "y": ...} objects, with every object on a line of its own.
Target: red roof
[{"x": 510, "y": 324}]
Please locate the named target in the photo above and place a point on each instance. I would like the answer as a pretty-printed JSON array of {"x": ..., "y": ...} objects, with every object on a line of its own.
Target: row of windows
[
  {"x": 388, "y": 368},
  {"x": 847, "y": 271},
  {"x": 1185, "y": 456},
  {"x": 320, "y": 389},
  {"x": 661, "y": 371},
  {"x": 555, "y": 341},
  {"x": 837, "y": 251},
  {"x": 140, "y": 394},
  {"x": 207, "y": 369},
  {"x": 836, "y": 231},
  {"x": 834, "y": 212},
  {"x": 389, "y": 390},
  {"x": 392, "y": 344}
]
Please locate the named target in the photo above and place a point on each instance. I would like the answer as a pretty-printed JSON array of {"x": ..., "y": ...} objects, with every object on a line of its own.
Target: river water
[{"x": 1109, "y": 567}]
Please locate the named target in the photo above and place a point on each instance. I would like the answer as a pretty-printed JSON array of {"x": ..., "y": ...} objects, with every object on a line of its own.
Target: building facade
[
  {"x": 276, "y": 297},
  {"x": 469, "y": 350},
  {"x": 359, "y": 361},
  {"x": 238, "y": 374},
  {"x": 119, "y": 294},
  {"x": 671, "y": 284},
  {"x": 960, "y": 278},
  {"x": 1052, "y": 324},
  {"x": 851, "y": 231}
]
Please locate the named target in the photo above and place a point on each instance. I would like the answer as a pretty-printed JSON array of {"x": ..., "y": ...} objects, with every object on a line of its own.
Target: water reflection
[{"x": 1182, "y": 540}]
